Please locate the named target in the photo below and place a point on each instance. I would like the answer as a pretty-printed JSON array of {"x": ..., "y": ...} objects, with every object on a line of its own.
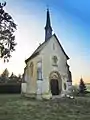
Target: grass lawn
[{"x": 15, "y": 107}]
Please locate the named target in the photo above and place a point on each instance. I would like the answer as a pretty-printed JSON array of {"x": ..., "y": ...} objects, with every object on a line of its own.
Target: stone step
[{"x": 56, "y": 96}]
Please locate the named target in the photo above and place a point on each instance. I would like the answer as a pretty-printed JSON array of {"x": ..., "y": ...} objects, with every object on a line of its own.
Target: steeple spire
[{"x": 48, "y": 28}]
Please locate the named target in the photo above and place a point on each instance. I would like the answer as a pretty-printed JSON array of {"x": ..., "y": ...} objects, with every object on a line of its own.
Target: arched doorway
[
  {"x": 54, "y": 86},
  {"x": 55, "y": 83}
]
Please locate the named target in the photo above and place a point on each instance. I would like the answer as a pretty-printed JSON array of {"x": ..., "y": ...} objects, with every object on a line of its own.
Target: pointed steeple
[{"x": 48, "y": 28}]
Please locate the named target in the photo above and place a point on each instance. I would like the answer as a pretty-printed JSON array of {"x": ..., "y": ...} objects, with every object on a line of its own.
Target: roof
[
  {"x": 61, "y": 47},
  {"x": 38, "y": 50}
]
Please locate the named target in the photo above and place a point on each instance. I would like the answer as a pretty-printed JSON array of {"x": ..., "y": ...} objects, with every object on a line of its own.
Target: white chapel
[{"x": 47, "y": 72}]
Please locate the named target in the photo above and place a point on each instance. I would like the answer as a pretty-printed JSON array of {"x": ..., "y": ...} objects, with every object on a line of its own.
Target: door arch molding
[{"x": 54, "y": 75}]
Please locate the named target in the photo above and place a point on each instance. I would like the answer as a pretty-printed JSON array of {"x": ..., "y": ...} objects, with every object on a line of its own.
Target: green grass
[{"x": 15, "y": 107}]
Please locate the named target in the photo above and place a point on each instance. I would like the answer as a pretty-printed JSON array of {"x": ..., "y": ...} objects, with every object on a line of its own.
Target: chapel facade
[{"x": 47, "y": 72}]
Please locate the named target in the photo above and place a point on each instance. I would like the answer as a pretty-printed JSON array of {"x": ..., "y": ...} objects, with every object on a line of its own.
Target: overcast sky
[{"x": 70, "y": 21}]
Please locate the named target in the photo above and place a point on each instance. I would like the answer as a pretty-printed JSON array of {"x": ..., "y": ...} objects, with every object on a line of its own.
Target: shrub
[{"x": 82, "y": 87}]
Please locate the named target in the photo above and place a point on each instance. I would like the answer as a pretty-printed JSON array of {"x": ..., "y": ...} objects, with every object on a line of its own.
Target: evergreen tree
[
  {"x": 5, "y": 73},
  {"x": 4, "y": 78},
  {"x": 12, "y": 75},
  {"x": 82, "y": 86}
]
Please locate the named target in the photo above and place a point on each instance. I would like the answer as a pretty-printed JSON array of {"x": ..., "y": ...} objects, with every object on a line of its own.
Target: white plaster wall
[
  {"x": 23, "y": 87},
  {"x": 42, "y": 86},
  {"x": 28, "y": 84},
  {"x": 27, "y": 79},
  {"x": 47, "y": 54},
  {"x": 37, "y": 88},
  {"x": 69, "y": 86}
]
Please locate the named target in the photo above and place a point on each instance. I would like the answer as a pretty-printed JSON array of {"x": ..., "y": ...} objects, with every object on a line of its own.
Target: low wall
[{"x": 10, "y": 88}]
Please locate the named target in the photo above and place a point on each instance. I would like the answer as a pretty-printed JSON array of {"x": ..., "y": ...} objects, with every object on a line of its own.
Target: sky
[{"x": 70, "y": 21}]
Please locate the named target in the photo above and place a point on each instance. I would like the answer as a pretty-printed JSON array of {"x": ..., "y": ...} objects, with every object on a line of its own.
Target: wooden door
[{"x": 54, "y": 87}]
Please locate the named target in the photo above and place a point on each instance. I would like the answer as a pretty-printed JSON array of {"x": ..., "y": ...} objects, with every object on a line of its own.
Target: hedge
[{"x": 10, "y": 88}]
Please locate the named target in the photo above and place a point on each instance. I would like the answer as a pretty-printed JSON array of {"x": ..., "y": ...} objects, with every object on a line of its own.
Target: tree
[
  {"x": 5, "y": 73},
  {"x": 19, "y": 78},
  {"x": 82, "y": 86},
  {"x": 12, "y": 78},
  {"x": 15, "y": 79},
  {"x": 4, "y": 76},
  {"x": 7, "y": 37},
  {"x": 12, "y": 75}
]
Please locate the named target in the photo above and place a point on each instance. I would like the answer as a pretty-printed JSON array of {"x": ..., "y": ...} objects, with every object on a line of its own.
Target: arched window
[
  {"x": 39, "y": 70},
  {"x": 31, "y": 68}
]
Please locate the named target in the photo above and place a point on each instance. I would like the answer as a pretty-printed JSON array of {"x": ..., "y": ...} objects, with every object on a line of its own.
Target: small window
[
  {"x": 53, "y": 46},
  {"x": 31, "y": 68},
  {"x": 39, "y": 70}
]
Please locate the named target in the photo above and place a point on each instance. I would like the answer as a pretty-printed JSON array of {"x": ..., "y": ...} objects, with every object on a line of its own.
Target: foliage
[
  {"x": 5, "y": 78},
  {"x": 15, "y": 79},
  {"x": 7, "y": 37},
  {"x": 75, "y": 90},
  {"x": 82, "y": 87},
  {"x": 5, "y": 73}
]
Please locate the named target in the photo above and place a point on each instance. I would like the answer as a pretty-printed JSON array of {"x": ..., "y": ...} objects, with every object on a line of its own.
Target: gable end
[{"x": 61, "y": 47}]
